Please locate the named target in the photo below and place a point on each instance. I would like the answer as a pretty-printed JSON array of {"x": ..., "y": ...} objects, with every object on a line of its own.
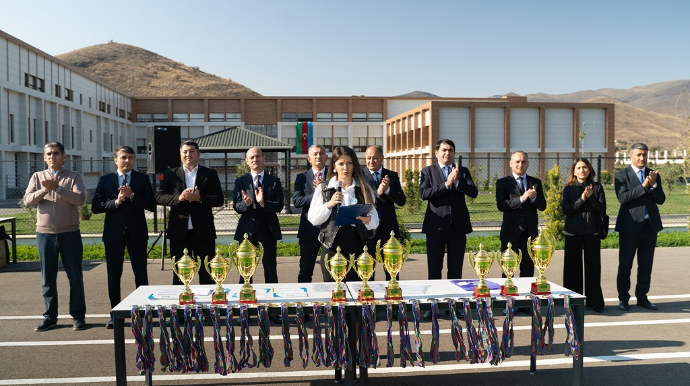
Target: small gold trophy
[
  {"x": 246, "y": 259},
  {"x": 394, "y": 256},
  {"x": 338, "y": 266},
  {"x": 185, "y": 269},
  {"x": 218, "y": 268},
  {"x": 481, "y": 263},
  {"x": 509, "y": 262},
  {"x": 365, "y": 266},
  {"x": 541, "y": 250}
]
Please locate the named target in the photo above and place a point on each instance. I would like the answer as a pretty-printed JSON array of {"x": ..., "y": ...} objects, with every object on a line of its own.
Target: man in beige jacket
[{"x": 57, "y": 193}]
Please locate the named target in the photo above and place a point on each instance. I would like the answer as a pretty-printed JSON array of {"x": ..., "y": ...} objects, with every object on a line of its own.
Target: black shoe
[
  {"x": 110, "y": 324},
  {"x": 623, "y": 305},
  {"x": 525, "y": 310},
  {"x": 277, "y": 320},
  {"x": 648, "y": 305},
  {"x": 427, "y": 315},
  {"x": 46, "y": 324},
  {"x": 599, "y": 310},
  {"x": 79, "y": 324},
  {"x": 459, "y": 312}
]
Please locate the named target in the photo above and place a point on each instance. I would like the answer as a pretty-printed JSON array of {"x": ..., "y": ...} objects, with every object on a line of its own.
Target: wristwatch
[
  {"x": 59, "y": 190},
  {"x": 131, "y": 196}
]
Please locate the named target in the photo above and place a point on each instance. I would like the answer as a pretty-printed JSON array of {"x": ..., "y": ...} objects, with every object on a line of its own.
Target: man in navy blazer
[
  {"x": 389, "y": 193},
  {"x": 258, "y": 199},
  {"x": 191, "y": 191},
  {"x": 124, "y": 196},
  {"x": 307, "y": 234},
  {"x": 447, "y": 220},
  {"x": 519, "y": 196},
  {"x": 639, "y": 191}
]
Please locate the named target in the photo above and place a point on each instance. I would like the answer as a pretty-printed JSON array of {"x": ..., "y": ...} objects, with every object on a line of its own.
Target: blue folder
[{"x": 347, "y": 215}]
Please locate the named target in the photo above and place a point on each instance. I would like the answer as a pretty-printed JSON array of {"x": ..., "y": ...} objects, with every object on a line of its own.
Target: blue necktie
[
  {"x": 521, "y": 185},
  {"x": 376, "y": 179},
  {"x": 124, "y": 180},
  {"x": 446, "y": 171},
  {"x": 640, "y": 176}
]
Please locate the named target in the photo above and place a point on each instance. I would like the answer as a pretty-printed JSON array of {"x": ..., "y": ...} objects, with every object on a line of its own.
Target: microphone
[{"x": 339, "y": 189}]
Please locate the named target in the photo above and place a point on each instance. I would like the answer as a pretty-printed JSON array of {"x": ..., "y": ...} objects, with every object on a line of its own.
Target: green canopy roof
[{"x": 239, "y": 139}]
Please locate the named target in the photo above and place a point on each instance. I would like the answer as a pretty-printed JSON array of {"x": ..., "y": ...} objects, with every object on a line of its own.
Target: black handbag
[{"x": 603, "y": 226}]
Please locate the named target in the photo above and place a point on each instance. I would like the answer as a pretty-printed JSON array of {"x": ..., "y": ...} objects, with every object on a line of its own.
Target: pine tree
[
  {"x": 414, "y": 202},
  {"x": 554, "y": 212}
]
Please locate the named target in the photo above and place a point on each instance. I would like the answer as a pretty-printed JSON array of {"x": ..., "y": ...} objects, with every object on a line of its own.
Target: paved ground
[{"x": 639, "y": 347}]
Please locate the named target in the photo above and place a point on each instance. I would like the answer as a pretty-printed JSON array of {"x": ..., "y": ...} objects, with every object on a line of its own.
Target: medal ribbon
[
  {"x": 474, "y": 349},
  {"x": 303, "y": 335},
  {"x": 405, "y": 348},
  {"x": 231, "y": 365},
  {"x": 317, "y": 346},
  {"x": 287, "y": 343},
  {"x": 488, "y": 331},
  {"x": 247, "y": 354},
  {"x": 417, "y": 335},
  {"x": 166, "y": 351},
  {"x": 456, "y": 331},
  {"x": 220, "y": 366},
  {"x": 572, "y": 344},
  {"x": 434, "y": 349},
  {"x": 537, "y": 337},
  {"x": 179, "y": 354},
  {"x": 548, "y": 324},
  {"x": 265, "y": 347},
  {"x": 329, "y": 335},
  {"x": 507, "y": 341},
  {"x": 344, "y": 355},
  {"x": 389, "y": 341}
]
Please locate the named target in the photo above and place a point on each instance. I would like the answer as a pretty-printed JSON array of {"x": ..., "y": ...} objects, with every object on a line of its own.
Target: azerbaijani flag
[{"x": 305, "y": 137}]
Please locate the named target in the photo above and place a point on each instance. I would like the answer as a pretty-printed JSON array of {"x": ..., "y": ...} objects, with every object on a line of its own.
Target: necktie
[
  {"x": 318, "y": 176},
  {"x": 377, "y": 179},
  {"x": 258, "y": 181},
  {"x": 446, "y": 171},
  {"x": 521, "y": 185},
  {"x": 640, "y": 176},
  {"x": 124, "y": 180}
]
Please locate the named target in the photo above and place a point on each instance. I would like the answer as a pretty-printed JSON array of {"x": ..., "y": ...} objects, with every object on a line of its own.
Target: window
[
  {"x": 141, "y": 145},
  {"x": 81, "y": 99},
  {"x": 41, "y": 85},
  {"x": 34, "y": 131},
  {"x": 196, "y": 117},
  {"x": 101, "y": 106},
  {"x": 291, "y": 140},
  {"x": 213, "y": 117},
  {"x": 324, "y": 117},
  {"x": 29, "y": 81},
  {"x": 302, "y": 117},
  {"x": 375, "y": 117},
  {"x": 269, "y": 130},
  {"x": 90, "y": 136},
  {"x": 339, "y": 117},
  {"x": 160, "y": 117},
  {"x": 11, "y": 128},
  {"x": 108, "y": 108},
  {"x": 359, "y": 144},
  {"x": 288, "y": 117},
  {"x": 375, "y": 141},
  {"x": 144, "y": 118},
  {"x": 45, "y": 133},
  {"x": 58, "y": 91},
  {"x": 233, "y": 117},
  {"x": 89, "y": 102},
  {"x": 359, "y": 117},
  {"x": 180, "y": 118},
  {"x": 71, "y": 138},
  {"x": 69, "y": 94}
]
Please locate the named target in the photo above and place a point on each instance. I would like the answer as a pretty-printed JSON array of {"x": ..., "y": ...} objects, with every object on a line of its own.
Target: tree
[
  {"x": 414, "y": 201},
  {"x": 554, "y": 212}
]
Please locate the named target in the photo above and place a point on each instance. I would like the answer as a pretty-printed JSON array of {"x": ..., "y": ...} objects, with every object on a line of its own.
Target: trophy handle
[
  {"x": 198, "y": 264},
  {"x": 377, "y": 252},
  {"x": 232, "y": 249},
  {"x": 259, "y": 254},
  {"x": 352, "y": 262},
  {"x": 406, "y": 251},
  {"x": 327, "y": 263},
  {"x": 208, "y": 269},
  {"x": 172, "y": 258},
  {"x": 519, "y": 256},
  {"x": 470, "y": 258}
]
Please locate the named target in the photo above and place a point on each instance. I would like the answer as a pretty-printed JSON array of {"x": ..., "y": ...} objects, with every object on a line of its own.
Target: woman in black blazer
[{"x": 583, "y": 202}]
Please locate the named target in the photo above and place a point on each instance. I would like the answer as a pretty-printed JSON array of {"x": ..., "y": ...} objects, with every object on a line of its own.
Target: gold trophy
[
  {"x": 481, "y": 263},
  {"x": 185, "y": 269},
  {"x": 541, "y": 250},
  {"x": 218, "y": 268},
  {"x": 394, "y": 256},
  {"x": 246, "y": 259},
  {"x": 338, "y": 266},
  {"x": 365, "y": 266},
  {"x": 509, "y": 262}
]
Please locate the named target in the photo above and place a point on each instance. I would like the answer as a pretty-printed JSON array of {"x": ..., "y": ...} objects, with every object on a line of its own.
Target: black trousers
[
  {"x": 309, "y": 251},
  {"x": 519, "y": 244},
  {"x": 643, "y": 244},
  {"x": 436, "y": 246},
  {"x": 573, "y": 268},
  {"x": 195, "y": 247},
  {"x": 115, "y": 257}
]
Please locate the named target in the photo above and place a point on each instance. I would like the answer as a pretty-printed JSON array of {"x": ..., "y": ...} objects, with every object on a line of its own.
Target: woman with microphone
[{"x": 344, "y": 186}]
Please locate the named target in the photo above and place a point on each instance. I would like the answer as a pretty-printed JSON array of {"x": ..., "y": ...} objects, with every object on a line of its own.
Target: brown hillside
[
  {"x": 142, "y": 73},
  {"x": 658, "y": 131}
]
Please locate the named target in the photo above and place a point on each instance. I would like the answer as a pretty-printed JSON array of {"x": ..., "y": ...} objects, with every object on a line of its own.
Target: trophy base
[
  {"x": 482, "y": 292},
  {"x": 365, "y": 296},
  {"x": 247, "y": 297},
  {"x": 541, "y": 289},
  {"x": 186, "y": 299},
  {"x": 393, "y": 294},
  {"x": 219, "y": 298},
  {"x": 338, "y": 296},
  {"x": 509, "y": 291}
]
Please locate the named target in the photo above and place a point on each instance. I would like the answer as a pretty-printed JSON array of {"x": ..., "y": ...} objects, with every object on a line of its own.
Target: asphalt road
[{"x": 638, "y": 347}]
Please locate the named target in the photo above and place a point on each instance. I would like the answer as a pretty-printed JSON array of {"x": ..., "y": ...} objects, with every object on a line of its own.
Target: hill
[{"x": 142, "y": 73}]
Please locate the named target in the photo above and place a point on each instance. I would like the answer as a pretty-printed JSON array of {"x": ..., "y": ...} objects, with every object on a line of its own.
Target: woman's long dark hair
[
  {"x": 590, "y": 178},
  {"x": 357, "y": 174}
]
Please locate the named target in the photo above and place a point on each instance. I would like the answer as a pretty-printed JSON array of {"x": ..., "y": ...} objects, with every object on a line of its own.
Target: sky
[{"x": 383, "y": 47}]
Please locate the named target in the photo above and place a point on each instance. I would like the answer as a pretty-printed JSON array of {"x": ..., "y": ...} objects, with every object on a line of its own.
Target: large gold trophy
[
  {"x": 394, "y": 256},
  {"x": 541, "y": 250},
  {"x": 246, "y": 259},
  {"x": 338, "y": 266},
  {"x": 185, "y": 269},
  {"x": 218, "y": 268},
  {"x": 365, "y": 266},
  {"x": 509, "y": 262},
  {"x": 481, "y": 263}
]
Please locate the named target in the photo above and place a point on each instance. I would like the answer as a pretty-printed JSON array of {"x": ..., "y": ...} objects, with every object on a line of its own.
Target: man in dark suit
[
  {"x": 389, "y": 192},
  {"x": 258, "y": 199},
  {"x": 639, "y": 191},
  {"x": 307, "y": 234},
  {"x": 124, "y": 196},
  {"x": 447, "y": 220},
  {"x": 519, "y": 196},
  {"x": 191, "y": 191}
]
